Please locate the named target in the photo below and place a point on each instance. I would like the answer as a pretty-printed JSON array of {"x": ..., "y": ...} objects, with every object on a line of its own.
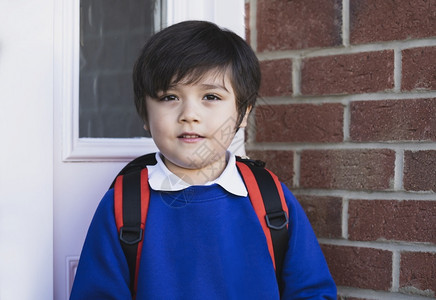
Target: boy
[{"x": 195, "y": 85}]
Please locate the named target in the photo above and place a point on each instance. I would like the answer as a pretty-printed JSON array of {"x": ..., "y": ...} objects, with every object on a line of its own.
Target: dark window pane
[{"x": 112, "y": 33}]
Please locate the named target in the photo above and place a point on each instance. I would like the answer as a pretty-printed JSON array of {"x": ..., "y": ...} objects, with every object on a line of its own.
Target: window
[
  {"x": 112, "y": 32},
  {"x": 95, "y": 46}
]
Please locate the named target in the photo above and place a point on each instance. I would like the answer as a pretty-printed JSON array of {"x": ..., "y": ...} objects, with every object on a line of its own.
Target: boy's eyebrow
[
  {"x": 214, "y": 86},
  {"x": 206, "y": 86}
]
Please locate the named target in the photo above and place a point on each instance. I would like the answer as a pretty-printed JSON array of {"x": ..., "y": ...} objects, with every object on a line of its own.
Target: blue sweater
[{"x": 201, "y": 243}]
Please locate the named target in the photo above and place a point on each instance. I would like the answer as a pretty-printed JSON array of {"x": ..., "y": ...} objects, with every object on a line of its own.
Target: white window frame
[{"x": 225, "y": 13}]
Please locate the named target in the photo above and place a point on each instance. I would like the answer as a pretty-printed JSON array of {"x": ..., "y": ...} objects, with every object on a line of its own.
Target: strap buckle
[
  {"x": 130, "y": 235},
  {"x": 275, "y": 217}
]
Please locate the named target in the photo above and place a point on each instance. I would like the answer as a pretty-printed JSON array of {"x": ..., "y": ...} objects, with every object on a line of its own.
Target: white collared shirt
[{"x": 161, "y": 178}]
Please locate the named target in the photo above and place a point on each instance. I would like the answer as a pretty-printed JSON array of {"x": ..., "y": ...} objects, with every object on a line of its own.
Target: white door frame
[{"x": 68, "y": 56}]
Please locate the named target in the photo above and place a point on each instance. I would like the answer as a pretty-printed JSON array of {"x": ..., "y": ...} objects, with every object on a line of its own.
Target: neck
[{"x": 198, "y": 175}]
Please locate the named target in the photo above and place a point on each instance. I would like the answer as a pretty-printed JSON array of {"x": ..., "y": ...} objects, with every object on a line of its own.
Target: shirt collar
[{"x": 161, "y": 178}]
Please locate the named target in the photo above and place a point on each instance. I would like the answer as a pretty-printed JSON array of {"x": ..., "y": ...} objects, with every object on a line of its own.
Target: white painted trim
[
  {"x": 71, "y": 268},
  {"x": 226, "y": 13},
  {"x": 73, "y": 147}
]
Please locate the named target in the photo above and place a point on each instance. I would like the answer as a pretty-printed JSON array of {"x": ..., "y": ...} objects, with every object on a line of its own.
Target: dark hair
[{"x": 187, "y": 51}]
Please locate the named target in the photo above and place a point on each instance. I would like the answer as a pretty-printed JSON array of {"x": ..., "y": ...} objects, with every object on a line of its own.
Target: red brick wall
[{"x": 347, "y": 119}]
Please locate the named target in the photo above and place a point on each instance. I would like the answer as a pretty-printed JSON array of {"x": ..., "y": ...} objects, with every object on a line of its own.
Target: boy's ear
[
  {"x": 245, "y": 119},
  {"x": 146, "y": 124}
]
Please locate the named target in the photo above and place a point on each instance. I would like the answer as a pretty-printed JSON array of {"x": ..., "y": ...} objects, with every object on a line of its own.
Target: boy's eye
[
  {"x": 211, "y": 97},
  {"x": 168, "y": 98}
]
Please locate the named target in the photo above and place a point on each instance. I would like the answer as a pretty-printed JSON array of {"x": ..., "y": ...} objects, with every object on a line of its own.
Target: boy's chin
[
  {"x": 210, "y": 168},
  {"x": 192, "y": 165}
]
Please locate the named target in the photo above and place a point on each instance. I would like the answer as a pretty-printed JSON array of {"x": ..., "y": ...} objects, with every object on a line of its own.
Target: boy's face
[{"x": 193, "y": 125}]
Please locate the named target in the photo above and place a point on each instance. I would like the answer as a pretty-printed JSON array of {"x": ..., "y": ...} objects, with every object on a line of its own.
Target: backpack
[{"x": 132, "y": 195}]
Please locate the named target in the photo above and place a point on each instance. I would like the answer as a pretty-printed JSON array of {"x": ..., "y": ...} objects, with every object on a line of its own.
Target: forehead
[{"x": 215, "y": 77}]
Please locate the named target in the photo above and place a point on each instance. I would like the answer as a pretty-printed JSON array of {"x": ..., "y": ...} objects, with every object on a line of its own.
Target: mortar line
[
  {"x": 372, "y": 294},
  {"x": 321, "y": 99},
  {"x": 399, "y": 170},
  {"x": 397, "y": 69},
  {"x": 345, "y": 206},
  {"x": 296, "y": 76},
  {"x": 347, "y": 122},
  {"x": 370, "y": 195},
  {"x": 253, "y": 24},
  {"x": 346, "y": 23},
  {"x": 412, "y": 146},
  {"x": 297, "y": 161},
  {"x": 392, "y": 246},
  {"x": 351, "y": 49},
  {"x": 395, "y": 271}
]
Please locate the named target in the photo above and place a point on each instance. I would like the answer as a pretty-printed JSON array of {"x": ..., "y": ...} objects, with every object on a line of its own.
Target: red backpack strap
[
  {"x": 131, "y": 201},
  {"x": 266, "y": 196}
]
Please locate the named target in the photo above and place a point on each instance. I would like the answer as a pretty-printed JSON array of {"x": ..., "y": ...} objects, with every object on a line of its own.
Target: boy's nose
[{"x": 189, "y": 112}]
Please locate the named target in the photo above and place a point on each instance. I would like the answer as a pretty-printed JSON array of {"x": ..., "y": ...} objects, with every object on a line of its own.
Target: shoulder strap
[
  {"x": 137, "y": 164},
  {"x": 264, "y": 190},
  {"x": 130, "y": 218},
  {"x": 266, "y": 196}
]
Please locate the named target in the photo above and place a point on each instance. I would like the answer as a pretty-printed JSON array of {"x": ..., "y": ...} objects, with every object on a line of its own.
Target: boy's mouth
[{"x": 190, "y": 136}]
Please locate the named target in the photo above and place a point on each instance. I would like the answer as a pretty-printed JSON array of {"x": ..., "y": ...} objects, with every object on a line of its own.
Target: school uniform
[{"x": 201, "y": 242}]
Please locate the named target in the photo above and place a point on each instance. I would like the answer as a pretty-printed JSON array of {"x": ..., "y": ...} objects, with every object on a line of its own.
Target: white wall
[{"x": 26, "y": 167}]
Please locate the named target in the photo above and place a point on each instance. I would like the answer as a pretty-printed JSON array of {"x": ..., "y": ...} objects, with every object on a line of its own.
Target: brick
[
  {"x": 365, "y": 268},
  {"x": 348, "y": 74},
  {"x": 418, "y": 273},
  {"x": 300, "y": 123},
  {"x": 298, "y": 24},
  {"x": 419, "y": 69},
  {"x": 276, "y": 78},
  {"x": 393, "y": 120},
  {"x": 325, "y": 215},
  {"x": 420, "y": 171},
  {"x": 370, "y": 220},
  {"x": 279, "y": 162},
  {"x": 353, "y": 169},
  {"x": 374, "y": 20}
]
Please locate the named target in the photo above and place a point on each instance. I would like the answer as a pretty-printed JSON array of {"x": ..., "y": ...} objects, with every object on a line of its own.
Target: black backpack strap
[
  {"x": 266, "y": 195},
  {"x": 137, "y": 164},
  {"x": 131, "y": 201}
]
